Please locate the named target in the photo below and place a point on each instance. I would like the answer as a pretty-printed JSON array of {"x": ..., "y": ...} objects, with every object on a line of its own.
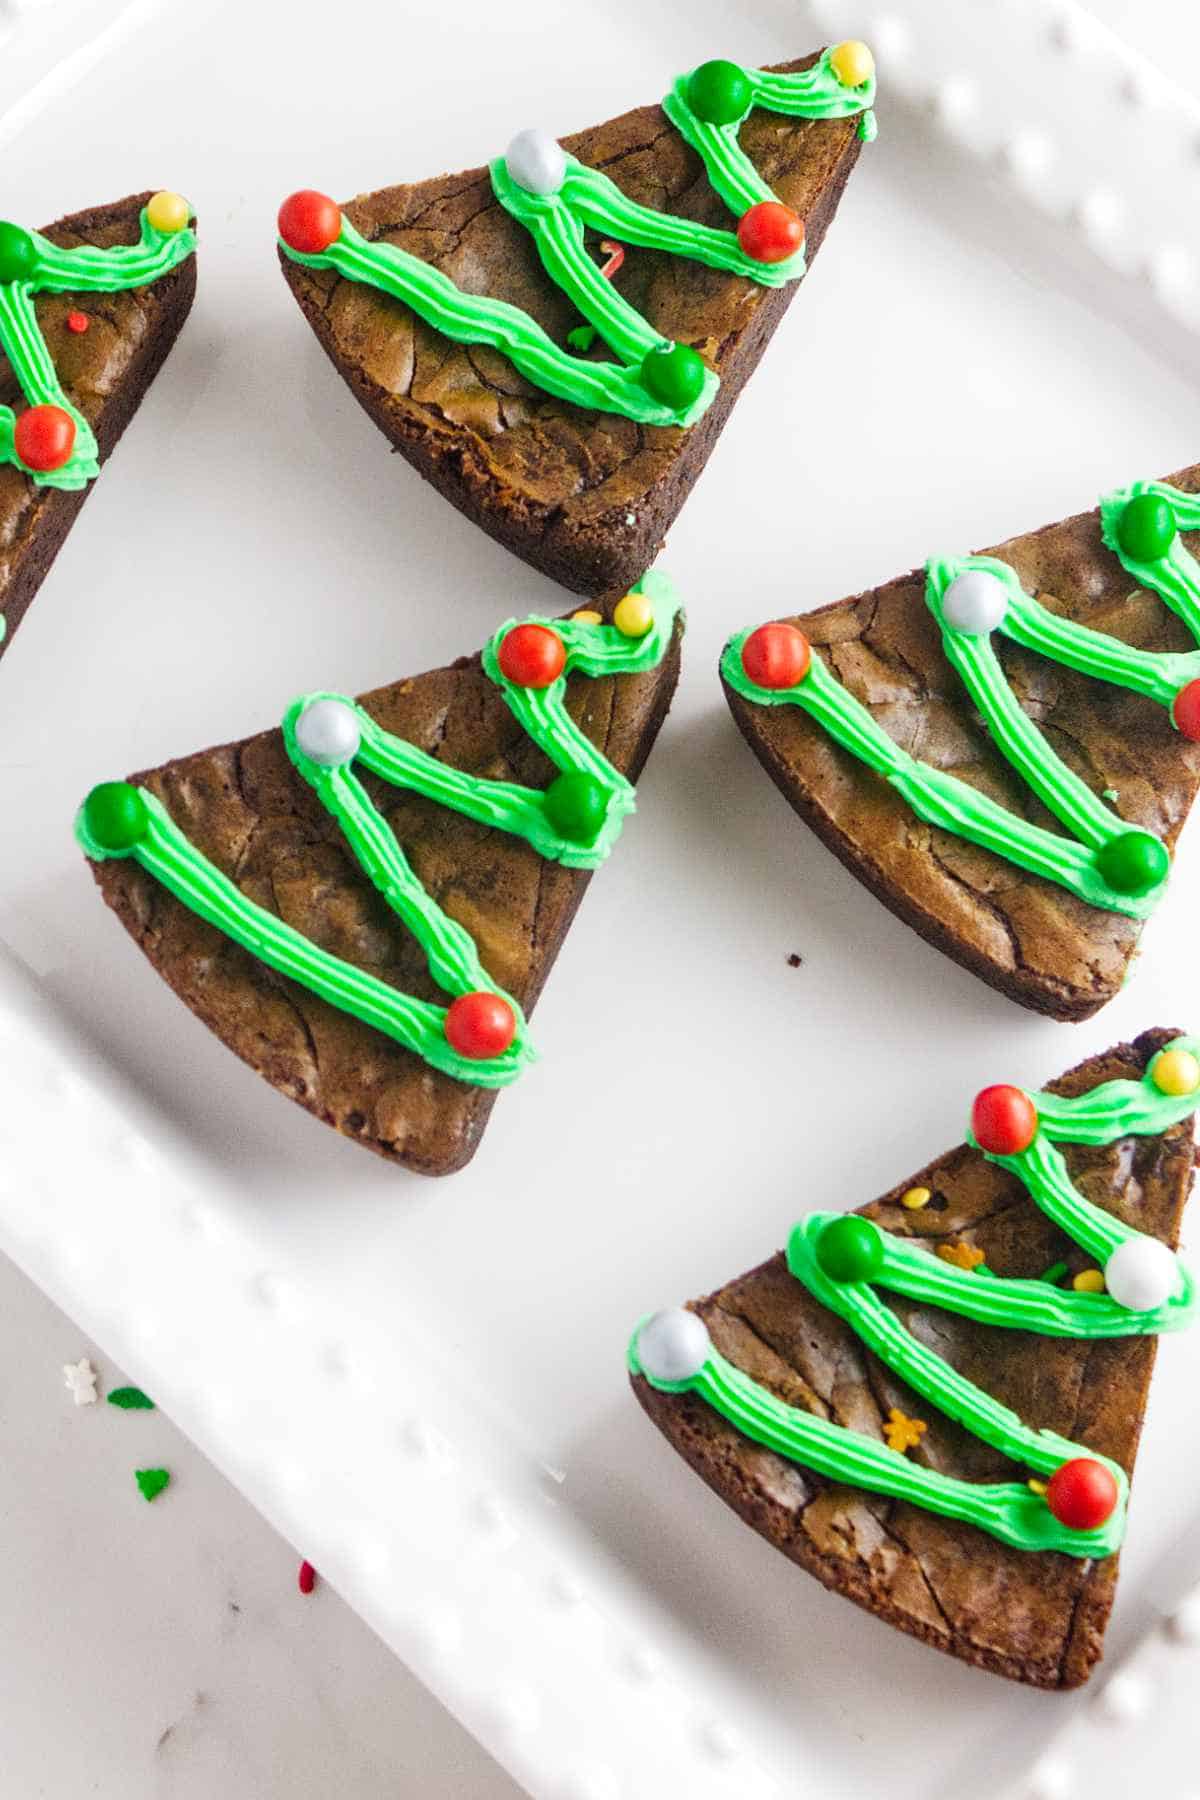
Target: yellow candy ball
[
  {"x": 916, "y": 1198},
  {"x": 587, "y": 617},
  {"x": 633, "y": 616},
  {"x": 1176, "y": 1072},
  {"x": 168, "y": 212},
  {"x": 1089, "y": 1281},
  {"x": 852, "y": 63}
]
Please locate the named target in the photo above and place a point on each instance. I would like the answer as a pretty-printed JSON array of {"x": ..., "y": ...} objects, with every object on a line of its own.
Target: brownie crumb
[{"x": 795, "y": 960}]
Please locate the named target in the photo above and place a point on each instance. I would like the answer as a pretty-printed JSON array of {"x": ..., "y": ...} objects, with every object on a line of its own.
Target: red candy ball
[
  {"x": 309, "y": 222},
  {"x": 776, "y": 656},
  {"x": 44, "y": 438},
  {"x": 480, "y": 1025},
  {"x": 1082, "y": 1494},
  {"x": 1186, "y": 711},
  {"x": 532, "y": 656},
  {"x": 770, "y": 232},
  {"x": 1004, "y": 1120}
]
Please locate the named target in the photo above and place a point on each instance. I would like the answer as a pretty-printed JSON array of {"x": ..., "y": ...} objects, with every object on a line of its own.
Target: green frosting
[
  {"x": 165, "y": 852},
  {"x": 588, "y": 199},
  {"x": 1010, "y": 1511},
  {"x": 53, "y": 270},
  {"x": 1102, "y": 845}
]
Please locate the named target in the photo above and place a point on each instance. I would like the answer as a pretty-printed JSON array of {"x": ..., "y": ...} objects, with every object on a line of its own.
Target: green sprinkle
[
  {"x": 583, "y": 337},
  {"x": 151, "y": 1482},
  {"x": 1054, "y": 1273},
  {"x": 131, "y": 1399},
  {"x": 982, "y": 1269}
]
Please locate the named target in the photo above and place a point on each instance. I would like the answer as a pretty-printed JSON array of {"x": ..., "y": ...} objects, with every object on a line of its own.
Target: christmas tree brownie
[
  {"x": 89, "y": 308},
  {"x": 1003, "y": 747},
  {"x": 555, "y": 342},
  {"x": 933, "y": 1404},
  {"x": 364, "y": 904}
]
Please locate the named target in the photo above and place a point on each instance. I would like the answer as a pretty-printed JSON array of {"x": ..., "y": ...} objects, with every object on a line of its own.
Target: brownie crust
[
  {"x": 1023, "y": 935},
  {"x": 1036, "y": 1617},
  {"x": 105, "y": 371},
  {"x": 587, "y": 497},
  {"x": 244, "y": 806}
]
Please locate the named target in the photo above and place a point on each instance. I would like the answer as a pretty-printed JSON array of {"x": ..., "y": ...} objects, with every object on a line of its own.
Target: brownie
[
  {"x": 1022, "y": 934},
  {"x": 104, "y": 372},
  {"x": 585, "y": 496},
  {"x": 1038, "y": 1617},
  {"x": 245, "y": 807}
]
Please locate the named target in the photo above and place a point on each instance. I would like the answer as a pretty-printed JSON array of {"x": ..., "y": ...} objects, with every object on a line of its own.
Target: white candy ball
[
  {"x": 1141, "y": 1274},
  {"x": 536, "y": 162},
  {"x": 975, "y": 602},
  {"x": 673, "y": 1345},
  {"x": 327, "y": 732}
]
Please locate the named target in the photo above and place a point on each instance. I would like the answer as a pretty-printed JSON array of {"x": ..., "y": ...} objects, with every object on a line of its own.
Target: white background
[{"x": 956, "y": 369}]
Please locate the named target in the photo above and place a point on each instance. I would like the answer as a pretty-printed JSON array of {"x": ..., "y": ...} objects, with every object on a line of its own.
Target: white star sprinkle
[{"x": 80, "y": 1379}]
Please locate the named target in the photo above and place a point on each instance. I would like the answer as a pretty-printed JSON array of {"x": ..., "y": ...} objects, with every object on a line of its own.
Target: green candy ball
[
  {"x": 850, "y": 1249},
  {"x": 1133, "y": 863},
  {"x": 115, "y": 816},
  {"x": 718, "y": 92},
  {"x": 18, "y": 253},
  {"x": 1146, "y": 528},
  {"x": 674, "y": 375},
  {"x": 576, "y": 806}
]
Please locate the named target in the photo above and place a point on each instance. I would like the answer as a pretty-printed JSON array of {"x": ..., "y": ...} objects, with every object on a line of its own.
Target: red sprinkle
[
  {"x": 306, "y": 1581},
  {"x": 616, "y": 256},
  {"x": 77, "y": 322}
]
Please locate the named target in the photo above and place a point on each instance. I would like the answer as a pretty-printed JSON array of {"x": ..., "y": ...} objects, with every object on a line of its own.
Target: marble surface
[{"x": 164, "y": 1652}]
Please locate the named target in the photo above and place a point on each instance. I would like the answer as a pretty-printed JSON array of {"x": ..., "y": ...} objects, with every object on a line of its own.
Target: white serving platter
[{"x": 423, "y": 1383}]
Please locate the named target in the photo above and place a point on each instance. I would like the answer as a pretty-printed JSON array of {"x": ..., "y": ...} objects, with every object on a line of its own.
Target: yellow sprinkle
[
  {"x": 168, "y": 212},
  {"x": 1038, "y": 1487},
  {"x": 1175, "y": 1072},
  {"x": 852, "y": 63},
  {"x": 587, "y": 617},
  {"x": 633, "y": 616},
  {"x": 916, "y": 1198},
  {"x": 901, "y": 1432},
  {"x": 1089, "y": 1281}
]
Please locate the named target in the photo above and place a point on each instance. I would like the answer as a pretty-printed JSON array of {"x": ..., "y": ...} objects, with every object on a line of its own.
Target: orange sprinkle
[
  {"x": 963, "y": 1256},
  {"x": 901, "y": 1432}
]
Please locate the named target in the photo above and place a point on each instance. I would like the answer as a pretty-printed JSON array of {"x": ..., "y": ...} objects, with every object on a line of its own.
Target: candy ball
[
  {"x": 78, "y": 322},
  {"x": 537, "y": 162},
  {"x": 1004, "y": 1120},
  {"x": 18, "y": 252},
  {"x": 673, "y": 1345},
  {"x": 168, "y": 212},
  {"x": 718, "y": 92},
  {"x": 770, "y": 232},
  {"x": 1141, "y": 1274},
  {"x": 44, "y": 437},
  {"x": 576, "y": 805},
  {"x": 776, "y": 655},
  {"x": 850, "y": 1249},
  {"x": 1146, "y": 528},
  {"x": 852, "y": 63},
  {"x": 328, "y": 733},
  {"x": 1175, "y": 1072},
  {"x": 532, "y": 656},
  {"x": 1186, "y": 711},
  {"x": 975, "y": 602},
  {"x": 1082, "y": 1494},
  {"x": 1134, "y": 863},
  {"x": 115, "y": 816},
  {"x": 480, "y": 1025},
  {"x": 673, "y": 374},
  {"x": 633, "y": 616},
  {"x": 309, "y": 222}
]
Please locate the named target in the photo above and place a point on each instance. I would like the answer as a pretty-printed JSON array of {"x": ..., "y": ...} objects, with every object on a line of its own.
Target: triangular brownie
[
  {"x": 1118, "y": 747},
  {"x": 105, "y": 346},
  {"x": 479, "y": 847},
  {"x": 1036, "y": 1615},
  {"x": 587, "y": 495}
]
